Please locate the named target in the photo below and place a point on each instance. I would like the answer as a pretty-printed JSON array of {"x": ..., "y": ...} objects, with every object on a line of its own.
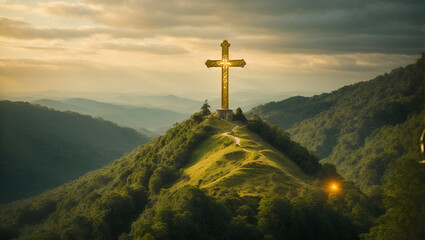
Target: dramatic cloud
[
  {"x": 318, "y": 26},
  {"x": 328, "y": 27},
  {"x": 137, "y": 47},
  {"x": 293, "y": 45},
  {"x": 66, "y": 9},
  {"x": 19, "y": 29}
]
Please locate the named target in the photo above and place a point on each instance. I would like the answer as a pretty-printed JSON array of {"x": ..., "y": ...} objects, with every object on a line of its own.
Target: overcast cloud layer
[{"x": 161, "y": 46}]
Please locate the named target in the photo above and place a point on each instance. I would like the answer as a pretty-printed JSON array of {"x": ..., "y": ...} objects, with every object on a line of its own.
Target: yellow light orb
[{"x": 333, "y": 187}]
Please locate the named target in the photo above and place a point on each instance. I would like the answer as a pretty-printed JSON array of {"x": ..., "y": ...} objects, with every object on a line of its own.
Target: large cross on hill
[{"x": 225, "y": 63}]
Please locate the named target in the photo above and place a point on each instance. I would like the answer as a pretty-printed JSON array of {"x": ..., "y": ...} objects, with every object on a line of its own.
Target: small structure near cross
[{"x": 224, "y": 112}]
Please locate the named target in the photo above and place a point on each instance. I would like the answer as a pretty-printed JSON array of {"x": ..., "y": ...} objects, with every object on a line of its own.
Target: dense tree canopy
[
  {"x": 360, "y": 128},
  {"x": 370, "y": 131},
  {"x": 404, "y": 200}
]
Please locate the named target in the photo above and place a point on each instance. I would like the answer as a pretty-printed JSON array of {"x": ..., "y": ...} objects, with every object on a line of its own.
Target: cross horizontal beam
[{"x": 229, "y": 63}]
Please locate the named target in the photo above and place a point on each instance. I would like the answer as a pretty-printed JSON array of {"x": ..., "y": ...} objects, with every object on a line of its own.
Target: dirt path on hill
[{"x": 238, "y": 140}]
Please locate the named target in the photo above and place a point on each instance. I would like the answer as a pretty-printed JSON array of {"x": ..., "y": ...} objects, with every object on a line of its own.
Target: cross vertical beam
[
  {"x": 225, "y": 63},
  {"x": 225, "y": 75}
]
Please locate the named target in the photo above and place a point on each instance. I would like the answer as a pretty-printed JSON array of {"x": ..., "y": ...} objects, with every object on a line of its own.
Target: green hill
[
  {"x": 251, "y": 169},
  {"x": 361, "y": 128},
  {"x": 139, "y": 118},
  {"x": 41, "y": 148},
  {"x": 196, "y": 183}
]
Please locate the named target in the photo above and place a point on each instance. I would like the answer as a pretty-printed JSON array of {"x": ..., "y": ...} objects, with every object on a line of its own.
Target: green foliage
[
  {"x": 185, "y": 214},
  {"x": 160, "y": 178},
  {"x": 288, "y": 112},
  {"x": 274, "y": 217},
  {"x": 239, "y": 116},
  {"x": 41, "y": 148},
  {"x": 137, "y": 197},
  {"x": 205, "y": 109},
  {"x": 81, "y": 227},
  {"x": 370, "y": 131},
  {"x": 404, "y": 200},
  {"x": 360, "y": 128},
  {"x": 281, "y": 140},
  {"x": 117, "y": 212},
  {"x": 104, "y": 203},
  {"x": 329, "y": 172},
  {"x": 188, "y": 213}
]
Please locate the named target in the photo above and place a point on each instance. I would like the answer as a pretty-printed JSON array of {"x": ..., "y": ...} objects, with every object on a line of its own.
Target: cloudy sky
[{"x": 160, "y": 47}]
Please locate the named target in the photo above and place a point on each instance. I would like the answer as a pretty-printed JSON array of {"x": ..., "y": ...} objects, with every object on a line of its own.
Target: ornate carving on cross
[{"x": 225, "y": 63}]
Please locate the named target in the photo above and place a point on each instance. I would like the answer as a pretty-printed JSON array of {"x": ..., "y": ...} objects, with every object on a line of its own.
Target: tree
[
  {"x": 160, "y": 178},
  {"x": 404, "y": 200},
  {"x": 239, "y": 116},
  {"x": 274, "y": 216},
  {"x": 205, "y": 108}
]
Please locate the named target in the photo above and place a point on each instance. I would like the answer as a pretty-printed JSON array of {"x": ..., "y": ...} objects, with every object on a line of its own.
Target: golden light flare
[
  {"x": 334, "y": 187},
  {"x": 225, "y": 63}
]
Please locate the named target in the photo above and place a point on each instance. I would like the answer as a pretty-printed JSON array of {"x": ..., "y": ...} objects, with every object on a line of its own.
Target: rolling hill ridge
[
  {"x": 41, "y": 148},
  {"x": 195, "y": 183}
]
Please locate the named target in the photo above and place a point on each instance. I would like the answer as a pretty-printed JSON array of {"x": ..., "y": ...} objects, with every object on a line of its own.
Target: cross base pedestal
[{"x": 226, "y": 114}]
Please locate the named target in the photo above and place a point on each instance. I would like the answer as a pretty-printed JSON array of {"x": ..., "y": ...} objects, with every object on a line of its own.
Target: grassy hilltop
[{"x": 251, "y": 169}]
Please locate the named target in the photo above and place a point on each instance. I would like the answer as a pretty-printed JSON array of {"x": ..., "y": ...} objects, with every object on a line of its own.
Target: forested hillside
[
  {"x": 362, "y": 128},
  {"x": 41, "y": 148},
  {"x": 276, "y": 190}
]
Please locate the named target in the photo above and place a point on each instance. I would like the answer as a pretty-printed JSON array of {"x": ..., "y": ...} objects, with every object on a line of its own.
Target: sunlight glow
[
  {"x": 334, "y": 187},
  {"x": 225, "y": 63}
]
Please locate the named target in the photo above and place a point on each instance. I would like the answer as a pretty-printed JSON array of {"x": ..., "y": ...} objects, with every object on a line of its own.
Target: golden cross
[{"x": 225, "y": 63}]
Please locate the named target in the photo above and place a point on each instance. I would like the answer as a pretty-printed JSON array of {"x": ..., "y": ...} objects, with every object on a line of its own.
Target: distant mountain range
[
  {"x": 159, "y": 112},
  {"x": 245, "y": 100},
  {"x": 248, "y": 100},
  {"x": 150, "y": 121},
  {"x": 41, "y": 148},
  {"x": 181, "y": 104}
]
